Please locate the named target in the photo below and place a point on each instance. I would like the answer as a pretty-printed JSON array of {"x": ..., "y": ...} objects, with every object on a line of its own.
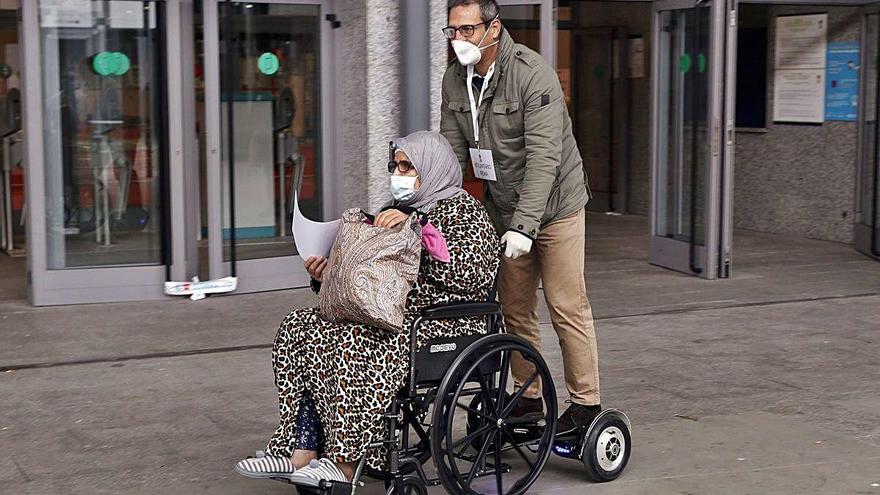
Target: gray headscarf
[{"x": 438, "y": 168}]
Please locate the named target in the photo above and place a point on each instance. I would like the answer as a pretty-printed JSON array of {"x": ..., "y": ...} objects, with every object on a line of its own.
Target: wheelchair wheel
[
  {"x": 408, "y": 485},
  {"x": 475, "y": 421},
  {"x": 486, "y": 458},
  {"x": 607, "y": 447}
]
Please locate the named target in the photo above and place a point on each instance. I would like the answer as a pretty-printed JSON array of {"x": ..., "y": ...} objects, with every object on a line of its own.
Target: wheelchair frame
[{"x": 434, "y": 372}]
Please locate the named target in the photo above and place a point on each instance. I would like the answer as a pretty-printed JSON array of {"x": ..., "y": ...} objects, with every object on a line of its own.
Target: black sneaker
[
  {"x": 576, "y": 416},
  {"x": 527, "y": 407}
]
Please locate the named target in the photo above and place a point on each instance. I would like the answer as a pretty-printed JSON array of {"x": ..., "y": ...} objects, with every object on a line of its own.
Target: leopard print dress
[{"x": 353, "y": 371}]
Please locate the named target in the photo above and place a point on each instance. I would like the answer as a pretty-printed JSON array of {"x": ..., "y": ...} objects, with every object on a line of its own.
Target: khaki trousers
[{"x": 557, "y": 258}]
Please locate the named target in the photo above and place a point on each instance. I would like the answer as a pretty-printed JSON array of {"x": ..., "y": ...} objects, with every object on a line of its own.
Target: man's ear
[{"x": 496, "y": 29}]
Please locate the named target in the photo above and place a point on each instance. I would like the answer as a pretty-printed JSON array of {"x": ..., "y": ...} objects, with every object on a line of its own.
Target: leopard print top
[{"x": 353, "y": 371}]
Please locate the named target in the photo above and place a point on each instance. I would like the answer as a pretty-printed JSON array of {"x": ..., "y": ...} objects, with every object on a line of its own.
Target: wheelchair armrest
[{"x": 461, "y": 310}]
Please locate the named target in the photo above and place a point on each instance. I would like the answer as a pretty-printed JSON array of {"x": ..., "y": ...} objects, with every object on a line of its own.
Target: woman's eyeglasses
[
  {"x": 467, "y": 30},
  {"x": 403, "y": 166}
]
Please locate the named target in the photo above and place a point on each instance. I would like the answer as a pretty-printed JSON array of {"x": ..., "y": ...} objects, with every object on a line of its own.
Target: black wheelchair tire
[
  {"x": 407, "y": 485},
  {"x": 474, "y": 363}
]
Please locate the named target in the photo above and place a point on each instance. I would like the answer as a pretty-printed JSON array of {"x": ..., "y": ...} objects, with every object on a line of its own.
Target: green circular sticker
[
  {"x": 684, "y": 63},
  {"x": 5, "y": 71},
  {"x": 103, "y": 63},
  {"x": 268, "y": 63},
  {"x": 111, "y": 63},
  {"x": 121, "y": 63}
]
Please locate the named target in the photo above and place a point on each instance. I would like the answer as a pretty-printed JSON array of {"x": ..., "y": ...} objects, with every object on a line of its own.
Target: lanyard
[{"x": 475, "y": 105}]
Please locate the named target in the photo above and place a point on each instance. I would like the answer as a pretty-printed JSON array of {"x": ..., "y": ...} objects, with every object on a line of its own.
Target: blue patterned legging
[{"x": 307, "y": 424}]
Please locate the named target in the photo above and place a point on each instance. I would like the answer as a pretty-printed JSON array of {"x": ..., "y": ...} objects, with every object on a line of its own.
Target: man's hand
[
  {"x": 315, "y": 265},
  {"x": 389, "y": 219},
  {"x": 516, "y": 244}
]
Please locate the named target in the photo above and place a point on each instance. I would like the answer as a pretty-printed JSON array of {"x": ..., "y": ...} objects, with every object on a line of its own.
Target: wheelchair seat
[{"x": 432, "y": 361}]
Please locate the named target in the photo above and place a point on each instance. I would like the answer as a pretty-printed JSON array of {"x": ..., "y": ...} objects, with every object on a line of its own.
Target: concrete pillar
[
  {"x": 439, "y": 48},
  {"x": 373, "y": 107},
  {"x": 415, "y": 72}
]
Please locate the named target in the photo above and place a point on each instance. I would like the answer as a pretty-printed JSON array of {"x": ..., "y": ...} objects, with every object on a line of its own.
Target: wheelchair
[{"x": 455, "y": 408}]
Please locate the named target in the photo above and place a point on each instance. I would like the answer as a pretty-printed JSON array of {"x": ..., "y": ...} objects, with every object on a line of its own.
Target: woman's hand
[
  {"x": 389, "y": 219},
  {"x": 315, "y": 265}
]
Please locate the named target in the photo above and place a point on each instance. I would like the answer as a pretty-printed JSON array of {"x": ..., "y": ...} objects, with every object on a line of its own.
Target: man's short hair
[{"x": 488, "y": 8}]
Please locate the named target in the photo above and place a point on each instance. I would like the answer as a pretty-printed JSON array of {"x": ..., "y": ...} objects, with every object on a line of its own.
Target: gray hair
[{"x": 488, "y": 8}]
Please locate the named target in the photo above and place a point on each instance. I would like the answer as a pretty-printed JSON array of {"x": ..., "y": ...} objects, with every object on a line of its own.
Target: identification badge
[{"x": 484, "y": 166}]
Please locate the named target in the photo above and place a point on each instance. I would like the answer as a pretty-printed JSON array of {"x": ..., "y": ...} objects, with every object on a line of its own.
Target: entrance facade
[{"x": 165, "y": 139}]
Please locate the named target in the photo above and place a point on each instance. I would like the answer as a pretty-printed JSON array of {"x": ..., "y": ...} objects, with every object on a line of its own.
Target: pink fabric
[{"x": 433, "y": 242}]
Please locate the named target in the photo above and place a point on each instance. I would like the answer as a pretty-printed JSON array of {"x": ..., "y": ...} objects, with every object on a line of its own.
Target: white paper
[
  {"x": 484, "y": 166},
  {"x": 66, "y": 13},
  {"x": 801, "y": 41},
  {"x": 637, "y": 58},
  {"x": 312, "y": 238},
  {"x": 799, "y": 96}
]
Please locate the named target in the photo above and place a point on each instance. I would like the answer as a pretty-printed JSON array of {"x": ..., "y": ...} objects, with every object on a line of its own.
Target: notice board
[{"x": 799, "y": 71}]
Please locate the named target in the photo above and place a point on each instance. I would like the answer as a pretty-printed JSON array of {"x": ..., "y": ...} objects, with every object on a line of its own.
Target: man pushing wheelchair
[
  {"x": 351, "y": 400},
  {"x": 503, "y": 108}
]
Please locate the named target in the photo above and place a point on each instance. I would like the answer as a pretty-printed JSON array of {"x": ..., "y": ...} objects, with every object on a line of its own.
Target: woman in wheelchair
[{"x": 335, "y": 381}]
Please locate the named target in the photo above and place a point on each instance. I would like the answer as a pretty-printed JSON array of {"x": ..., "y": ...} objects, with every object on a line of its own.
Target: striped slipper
[
  {"x": 265, "y": 466},
  {"x": 321, "y": 469}
]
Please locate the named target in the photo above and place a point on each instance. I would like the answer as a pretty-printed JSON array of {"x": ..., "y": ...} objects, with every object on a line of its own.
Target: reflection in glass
[
  {"x": 684, "y": 136},
  {"x": 104, "y": 142},
  {"x": 270, "y": 77},
  {"x": 12, "y": 211}
]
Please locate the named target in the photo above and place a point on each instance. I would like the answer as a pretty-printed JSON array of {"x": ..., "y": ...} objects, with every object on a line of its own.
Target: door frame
[
  {"x": 96, "y": 284},
  {"x": 713, "y": 259},
  {"x": 280, "y": 272},
  {"x": 865, "y": 234}
]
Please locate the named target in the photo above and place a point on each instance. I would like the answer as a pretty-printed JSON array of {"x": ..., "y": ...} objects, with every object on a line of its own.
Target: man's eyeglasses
[
  {"x": 466, "y": 30},
  {"x": 402, "y": 166}
]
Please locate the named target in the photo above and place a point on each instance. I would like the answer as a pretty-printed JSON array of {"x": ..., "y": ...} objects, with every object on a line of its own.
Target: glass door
[
  {"x": 599, "y": 111},
  {"x": 867, "y": 228},
  {"x": 98, "y": 162},
  {"x": 12, "y": 212},
  {"x": 692, "y": 136},
  {"x": 265, "y": 107}
]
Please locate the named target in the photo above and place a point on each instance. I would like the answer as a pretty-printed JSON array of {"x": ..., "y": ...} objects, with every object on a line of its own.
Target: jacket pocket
[
  {"x": 461, "y": 111},
  {"x": 507, "y": 120},
  {"x": 460, "y": 106}
]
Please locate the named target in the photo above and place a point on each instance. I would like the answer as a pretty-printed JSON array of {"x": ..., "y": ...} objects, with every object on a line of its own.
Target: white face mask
[
  {"x": 468, "y": 53},
  {"x": 402, "y": 187}
]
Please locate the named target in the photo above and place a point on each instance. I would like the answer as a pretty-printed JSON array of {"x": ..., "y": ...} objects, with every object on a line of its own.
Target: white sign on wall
[
  {"x": 800, "y": 41},
  {"x": 799, "y": 71},
  {"x": 799, "y": 96},
  {"x": 637, "y": 58},
  {"x": 66, "y": 13}
]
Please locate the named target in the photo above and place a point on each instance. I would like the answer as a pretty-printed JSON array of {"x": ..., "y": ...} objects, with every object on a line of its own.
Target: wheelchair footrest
[{"x": 326, "y": 488}]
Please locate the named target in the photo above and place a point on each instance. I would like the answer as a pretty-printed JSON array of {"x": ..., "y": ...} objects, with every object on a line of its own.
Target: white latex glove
[{"x": 516, "y": 244}]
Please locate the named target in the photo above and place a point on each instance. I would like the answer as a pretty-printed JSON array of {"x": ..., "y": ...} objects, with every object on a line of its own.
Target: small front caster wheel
[{"x": 410, "y": 484}]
